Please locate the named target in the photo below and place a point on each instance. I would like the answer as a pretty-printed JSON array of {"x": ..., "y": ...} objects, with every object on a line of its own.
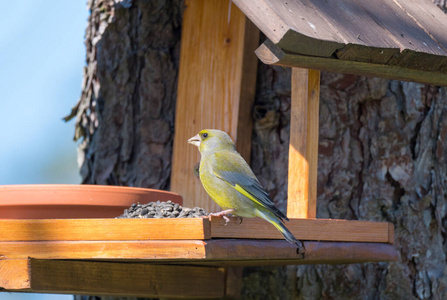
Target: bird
[{"x": 230, "y": 182}]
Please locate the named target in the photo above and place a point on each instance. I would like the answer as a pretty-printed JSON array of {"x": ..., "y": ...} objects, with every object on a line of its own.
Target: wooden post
[
  {"x": 126, "y": 279},
  {"x": 216, "y": 88},
  {"x": 303, "y": 147},
  {"x": 14, "y": 274}
]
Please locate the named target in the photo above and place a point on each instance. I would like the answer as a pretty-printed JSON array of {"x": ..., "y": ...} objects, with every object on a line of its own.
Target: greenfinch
[{"x": 230, "y": 182}]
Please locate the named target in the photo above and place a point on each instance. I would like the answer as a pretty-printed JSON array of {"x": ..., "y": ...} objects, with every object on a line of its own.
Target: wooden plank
[
  {"x": 304, "y": 229},
  {"x": 428, "y": 17},
  {"x": 147, "y": 250},
  {"x": 303, "y": 146},
  {"x": 126, "y": 279},
  {"x": 352, "y": 52},
  {"x": 155, "y": 278},
  {"x": 261, "y": 252},
  {"x": 390, "y": 233},
  {"x": 247, "y": 89},
  {"x": 277, "y": 29},
  {"x": 215, "y": 252},
  {"x": 132, "y": 230},
  {"x": 319, "y": 28},
  {"x": 363, "y": 29},
  {"x": 233, "y": 282},
  {"x": 104, "y": 229},
  {"x": 387, "y": 25},
  {"x": 419, "y": 61},
  {"x": 270, "y": 54},
  {"x": 14, "y": 274},
  {"x": 215, "y": 90}
]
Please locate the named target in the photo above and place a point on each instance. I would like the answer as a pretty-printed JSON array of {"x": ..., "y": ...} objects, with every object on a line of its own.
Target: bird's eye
[{"x": 205, "y": 135}]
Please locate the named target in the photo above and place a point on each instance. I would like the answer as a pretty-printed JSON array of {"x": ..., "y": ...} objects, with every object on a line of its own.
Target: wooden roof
[{"x": 393, "y": 37}]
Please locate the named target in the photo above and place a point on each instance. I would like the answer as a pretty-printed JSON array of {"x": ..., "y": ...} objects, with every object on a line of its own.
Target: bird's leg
[
  {"x": 300, "y": 250},
  {"x": 222, "y": 214}
]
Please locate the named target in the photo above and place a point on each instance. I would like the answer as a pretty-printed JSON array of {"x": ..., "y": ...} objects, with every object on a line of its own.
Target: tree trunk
[
  {"x": 382, "y": 150},
  {"x": 382, "y": 157},
  {"x": 125, "y": 116}
]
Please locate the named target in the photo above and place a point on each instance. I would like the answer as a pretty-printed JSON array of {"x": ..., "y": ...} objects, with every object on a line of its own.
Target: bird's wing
[{"x": 236, "y": 172}]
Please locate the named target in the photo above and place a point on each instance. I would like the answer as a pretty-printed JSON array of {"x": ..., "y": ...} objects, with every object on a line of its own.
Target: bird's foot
[
  {"x": 300, "y": 250},
  {"x": 227, "y": 220},
  {"x": 222, "y": 214}
]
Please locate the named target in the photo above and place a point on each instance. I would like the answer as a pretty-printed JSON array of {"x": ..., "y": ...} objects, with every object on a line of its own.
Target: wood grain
[
  {"x": 429, "y": 19},
  {"x": 247, "y": 89},
  {"x": 233, "y": 282},
  {"x": 390, "y": 233},
  {"x": 215, "y": 90},
  {"x": 104, "y": 229},
  {"x": 364, "y": 31},
  {"x": 277, "y": 28},
  {"x": 141, "y": 250},
  {"x": 191, "y": 252},
  {"x": 14, "y": 274},
  {"x": 270, "y": 54},
  {"x": 303, "y": 146},
  {"x": 304, "y": 229},
  {"x": 138, "y": 273},
  {"x": 263, "y": 252},
  {"x": 126, "y": 279},
  {"x": 211, "y": 252},
  {"x": 180, "y": 232}
]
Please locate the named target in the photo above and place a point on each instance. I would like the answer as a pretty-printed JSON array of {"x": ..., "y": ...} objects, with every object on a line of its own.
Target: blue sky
[
  {"x": 41, "y": 59},
  {"x": 42, "y": 55}
]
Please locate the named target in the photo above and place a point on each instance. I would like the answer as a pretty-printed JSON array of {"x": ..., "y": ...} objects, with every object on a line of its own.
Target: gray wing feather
[{"x": 253, "y": 187}]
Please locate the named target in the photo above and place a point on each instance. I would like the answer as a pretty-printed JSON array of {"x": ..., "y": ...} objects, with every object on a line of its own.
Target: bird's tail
[{"x": 283, "y": 229}]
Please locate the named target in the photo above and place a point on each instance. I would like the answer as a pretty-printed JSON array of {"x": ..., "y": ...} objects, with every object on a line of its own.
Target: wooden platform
[
  {"x": 159, "y": 257},
  {"x": 190, "y": 229}
]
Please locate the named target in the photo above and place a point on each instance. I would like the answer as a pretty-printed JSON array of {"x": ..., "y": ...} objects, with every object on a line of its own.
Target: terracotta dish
[{"x": 64, "y": 201}]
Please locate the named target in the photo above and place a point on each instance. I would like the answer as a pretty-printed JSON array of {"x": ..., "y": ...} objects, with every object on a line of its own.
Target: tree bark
[
  {"x": 382, "y": 150},
  {"x": 382, "y": 157},
  {"x": 125, "y": 117}
]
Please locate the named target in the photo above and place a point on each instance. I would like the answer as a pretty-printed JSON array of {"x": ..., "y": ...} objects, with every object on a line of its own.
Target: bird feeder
[{"x": 397, "y": 39}]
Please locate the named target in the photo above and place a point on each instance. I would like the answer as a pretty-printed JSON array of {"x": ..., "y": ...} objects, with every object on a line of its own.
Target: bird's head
[{"x": 212, "y": 140}]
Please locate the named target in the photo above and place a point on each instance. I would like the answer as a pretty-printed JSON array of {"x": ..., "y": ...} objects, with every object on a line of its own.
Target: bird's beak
[{"x": 195, "y": 140}]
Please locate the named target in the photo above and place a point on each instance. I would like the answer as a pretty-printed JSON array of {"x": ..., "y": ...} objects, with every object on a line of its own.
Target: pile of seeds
[{"x": 159, "y": 210}]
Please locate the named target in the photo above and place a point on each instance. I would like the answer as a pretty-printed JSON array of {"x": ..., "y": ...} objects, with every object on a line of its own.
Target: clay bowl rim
[{"x": 81, "y": 194}]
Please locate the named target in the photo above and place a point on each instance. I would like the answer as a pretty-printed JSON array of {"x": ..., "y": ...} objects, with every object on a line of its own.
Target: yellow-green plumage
[{"x": 230, "y": 182}]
